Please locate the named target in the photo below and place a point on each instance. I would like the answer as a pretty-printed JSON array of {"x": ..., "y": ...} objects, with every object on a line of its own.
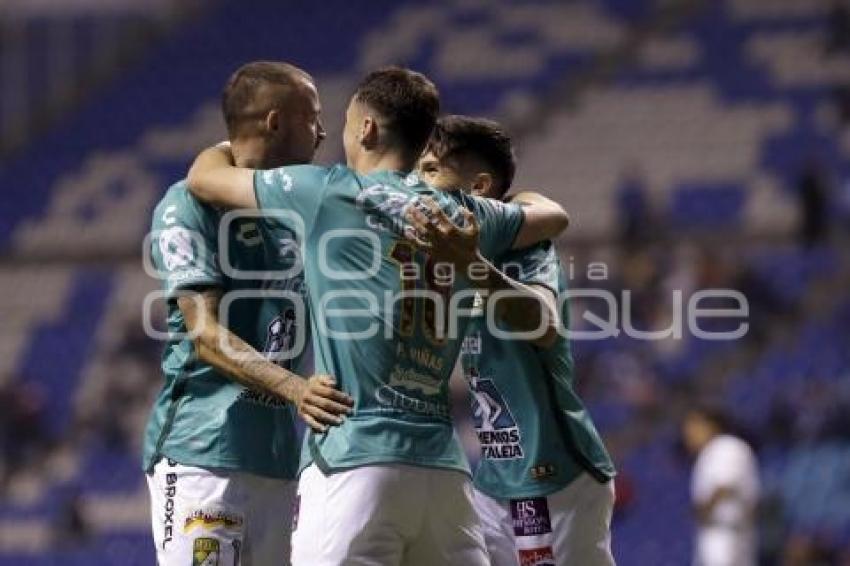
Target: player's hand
[
  {"x": 321, "y": 404},
  {"x": 444, "y": 240}
]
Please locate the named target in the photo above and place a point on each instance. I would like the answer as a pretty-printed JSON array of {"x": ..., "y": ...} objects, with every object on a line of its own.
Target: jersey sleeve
[
  {"x": 499, "y": 224},
  {"x": 184, "y": 243},
  {"x": 535, "y": 265},
  {"x": 295, "y": 189}
]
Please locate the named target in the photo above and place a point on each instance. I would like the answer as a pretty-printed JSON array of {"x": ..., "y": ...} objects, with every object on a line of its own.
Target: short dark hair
[
  {"x": 242, "y": 87},
  {"x": 407, "y": 100},
  {"x": 459, "y": 136}
]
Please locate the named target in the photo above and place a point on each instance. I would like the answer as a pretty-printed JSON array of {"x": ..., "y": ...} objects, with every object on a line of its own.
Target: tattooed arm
[{"x": 318, "y": 401}]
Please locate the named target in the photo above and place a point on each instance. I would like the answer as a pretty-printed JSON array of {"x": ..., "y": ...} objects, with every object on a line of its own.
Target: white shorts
[
  {"x": 571, "y": 526},
  {"x": 219, "y": 517},
  {"x": 386, "y": 515}
]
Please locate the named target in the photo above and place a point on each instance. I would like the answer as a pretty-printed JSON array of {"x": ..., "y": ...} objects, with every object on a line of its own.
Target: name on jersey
[{"x": 423, "y": 356}]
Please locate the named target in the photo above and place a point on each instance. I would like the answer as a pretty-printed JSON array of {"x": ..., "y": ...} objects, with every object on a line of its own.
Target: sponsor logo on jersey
[
  {"x": 498, "y": 432},
  {"x": 212, "y": 519},
  {"x": 409, "y": 380},
  {"x": 280, "y": 335},
  {"x": 205, "y": 552},
  {"x": 393, "y": 399},
  {"x": 415, "y": 381},
  {"x": 537, "y": 557},
  {"x": 248, "y": 234},
  {"x": 530, "y": 517}
]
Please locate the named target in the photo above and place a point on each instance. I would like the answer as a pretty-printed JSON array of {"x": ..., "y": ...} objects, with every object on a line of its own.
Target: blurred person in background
[
  {"x": 24, "y": 438},
  {"x": 221, "y": 449},
  {"x": 813, "y": 194},
  {"x": 71, "y": 525},
  {"x": 724, "y": 489},
  {"x": 544, "y": 488},
  {"x": 839, "y": 27},
  {"x": 634, "y": 209}
]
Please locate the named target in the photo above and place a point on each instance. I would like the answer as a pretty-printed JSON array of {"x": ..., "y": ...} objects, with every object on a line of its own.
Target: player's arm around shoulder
[
  {"x": 538, "y": 267},
  {"x": 529, "y": 309},
  {"x": 536, "y": 313},
  {"x": 318, "y": 401},
  {"x": 545, "y": 219},
  {"x": 214, "y": 179}
]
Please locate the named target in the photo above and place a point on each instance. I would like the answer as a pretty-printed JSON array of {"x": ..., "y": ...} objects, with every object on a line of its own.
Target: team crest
[{"x": 205, "y": 552}]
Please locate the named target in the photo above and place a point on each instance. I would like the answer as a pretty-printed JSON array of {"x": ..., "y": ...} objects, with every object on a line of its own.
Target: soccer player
[
  {"x": 543, "y": 485},
  {"x": 724, "y": 488},
  {"x": 390, "y": 485},
  {"x": 220, "y": 448}
]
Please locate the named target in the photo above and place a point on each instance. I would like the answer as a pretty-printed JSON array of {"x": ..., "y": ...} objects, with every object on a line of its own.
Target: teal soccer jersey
[
  {"x": 534, "y": 432},
  {"x": 201, "y": 417},
  {"x": 380, "y": 345}
]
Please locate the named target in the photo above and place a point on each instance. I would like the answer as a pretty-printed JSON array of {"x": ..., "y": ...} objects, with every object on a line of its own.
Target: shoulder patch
[{"x": 176, "y": 246}]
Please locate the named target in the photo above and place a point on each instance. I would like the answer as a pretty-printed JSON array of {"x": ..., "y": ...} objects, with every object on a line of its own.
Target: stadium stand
[{"x": 700, "y": 138}]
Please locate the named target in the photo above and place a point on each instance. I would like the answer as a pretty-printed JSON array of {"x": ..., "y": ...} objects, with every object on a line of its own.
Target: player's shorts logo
[
  {"x": 537, "y": 557},
  {"x": 211, "y": 519},
  {"x": 205, "y": 552},
  {"x": 497, "y": 428},
  {"x": 530, "y": 517}
]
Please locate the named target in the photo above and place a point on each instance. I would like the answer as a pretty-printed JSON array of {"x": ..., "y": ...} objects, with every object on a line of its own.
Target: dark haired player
[
  {"x": 390, "y": 485},
  {"x": 220, "y": 448},
  {"x": 543, "y": 485}
]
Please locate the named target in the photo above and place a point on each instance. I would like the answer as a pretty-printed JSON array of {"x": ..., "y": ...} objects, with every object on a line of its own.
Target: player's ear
[
  {"x": 369, "y": 132},
  {"x": 482, "y": 184},
  {"x": 273, "y": 121}
]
